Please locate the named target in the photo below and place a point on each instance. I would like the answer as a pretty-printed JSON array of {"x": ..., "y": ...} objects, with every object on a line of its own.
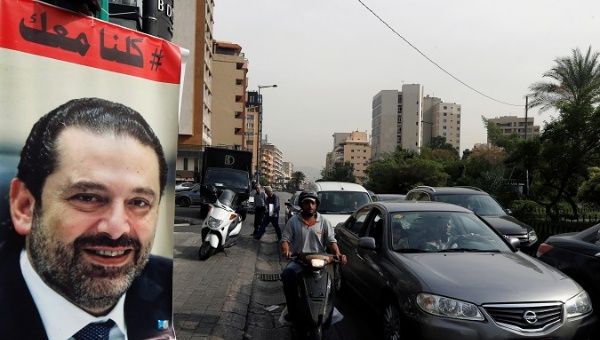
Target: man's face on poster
[{"x": 92, "y": 232}]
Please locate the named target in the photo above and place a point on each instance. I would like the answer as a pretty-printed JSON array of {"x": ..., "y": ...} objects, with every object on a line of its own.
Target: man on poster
[{"x": 84, "y": 207}]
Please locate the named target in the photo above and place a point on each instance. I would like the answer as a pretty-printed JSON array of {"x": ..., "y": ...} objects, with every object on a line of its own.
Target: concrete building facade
[
  {"x": 193, "y": 30},
  {"x": 516, "y": 125},
  {"x": 446, "y": 123},
  {"x": 272, "y": 164},
  {"x": 355, "y": 149},
  {"x": 230, "y": 70},
  {"x": 409, "y": 120}
]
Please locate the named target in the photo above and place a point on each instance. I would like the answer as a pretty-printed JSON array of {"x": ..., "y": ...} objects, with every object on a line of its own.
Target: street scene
[{"x": 237, "y": 294}]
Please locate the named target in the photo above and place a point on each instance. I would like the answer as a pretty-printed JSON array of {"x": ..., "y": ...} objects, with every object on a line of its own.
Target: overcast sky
[{"x": 330, "y": 57}]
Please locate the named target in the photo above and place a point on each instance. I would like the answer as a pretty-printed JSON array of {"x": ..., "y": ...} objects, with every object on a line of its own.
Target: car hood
[
  {"x": 507, "y": 225},
  {"x": 335, "y": 219},
  {"x": 489, "y": 277}
]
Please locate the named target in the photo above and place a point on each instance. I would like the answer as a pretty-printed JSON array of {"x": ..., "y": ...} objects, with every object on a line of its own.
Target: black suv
[{"x": 483, "y": 205}]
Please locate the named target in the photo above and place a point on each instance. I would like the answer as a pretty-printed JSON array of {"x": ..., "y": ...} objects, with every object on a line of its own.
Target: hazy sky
[{"x": 330, "y": 57}]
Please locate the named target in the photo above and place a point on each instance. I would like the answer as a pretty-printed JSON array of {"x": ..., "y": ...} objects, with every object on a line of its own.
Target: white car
[
  {"x": 338, "y": 200},
  {"x": 184, "y": 186}
]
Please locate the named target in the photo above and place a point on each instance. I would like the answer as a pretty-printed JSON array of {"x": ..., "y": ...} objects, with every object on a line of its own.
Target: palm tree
[
  {"x": 576, "y": 82},
  {"x": 297, "y": 179}
]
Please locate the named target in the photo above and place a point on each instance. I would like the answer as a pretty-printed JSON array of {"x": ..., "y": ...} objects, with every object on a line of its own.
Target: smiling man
[{"x": 84, "y": 208}]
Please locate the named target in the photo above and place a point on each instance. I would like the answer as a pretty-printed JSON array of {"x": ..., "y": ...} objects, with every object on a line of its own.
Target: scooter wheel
[{"x": 205, "y": 251}]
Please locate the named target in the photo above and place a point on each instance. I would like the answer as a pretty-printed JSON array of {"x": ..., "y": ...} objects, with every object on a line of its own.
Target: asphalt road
[{"x": 209, "y": 296}]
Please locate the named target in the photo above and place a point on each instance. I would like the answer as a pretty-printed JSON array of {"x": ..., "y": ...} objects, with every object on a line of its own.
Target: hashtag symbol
[{"x": 156, "y": 57}]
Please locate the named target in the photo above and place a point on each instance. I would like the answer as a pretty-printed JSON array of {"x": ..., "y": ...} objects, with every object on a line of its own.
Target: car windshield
[
  {"x": 435, "y": 231},
  {"x": 341, "y": 202},
  {"x": 229, "y": 178},
  {"x": 483, "y": 205}
]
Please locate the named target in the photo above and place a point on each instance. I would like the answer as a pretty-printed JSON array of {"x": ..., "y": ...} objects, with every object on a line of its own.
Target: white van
[{"x": 338, "y": 200}]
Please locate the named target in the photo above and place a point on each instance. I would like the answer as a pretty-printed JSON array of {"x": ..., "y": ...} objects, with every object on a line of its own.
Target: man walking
[
  {"x": 259, "y": 208},
  {"x": 271, "y": 216}
]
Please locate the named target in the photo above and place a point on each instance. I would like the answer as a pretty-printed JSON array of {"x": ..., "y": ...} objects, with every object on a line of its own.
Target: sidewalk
[{"x": 267, "y": 299}]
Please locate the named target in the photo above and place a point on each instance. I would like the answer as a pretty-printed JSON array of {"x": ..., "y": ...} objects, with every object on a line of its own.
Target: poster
[{"x": 49, "y": 56}]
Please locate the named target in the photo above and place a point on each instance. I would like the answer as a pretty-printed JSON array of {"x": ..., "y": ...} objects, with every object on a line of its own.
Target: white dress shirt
[{"x": 61, "y": 318}]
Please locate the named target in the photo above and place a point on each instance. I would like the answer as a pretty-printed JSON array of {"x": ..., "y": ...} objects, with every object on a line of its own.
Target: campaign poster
[{"x": 49, "y": 56}]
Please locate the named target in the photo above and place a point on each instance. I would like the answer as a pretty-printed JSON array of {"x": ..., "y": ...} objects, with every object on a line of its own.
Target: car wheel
[
  {"x": 392, "y": 329},
  {"x": 183, "y": 202}
]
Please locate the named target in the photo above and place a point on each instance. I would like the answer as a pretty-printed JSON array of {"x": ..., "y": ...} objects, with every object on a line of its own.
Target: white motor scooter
[{"x": 222, "y": 224}]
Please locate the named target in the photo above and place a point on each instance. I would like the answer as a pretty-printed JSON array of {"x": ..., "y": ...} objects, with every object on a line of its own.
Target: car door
[
  {"x": 347, "y": 238},
  {"x": 373, "y": 277}
]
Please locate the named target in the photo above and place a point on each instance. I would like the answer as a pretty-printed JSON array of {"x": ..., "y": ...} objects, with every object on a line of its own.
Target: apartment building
[
  {"x": 513, "y": 125},
  {"x": 409, "y": 120},
  {"x": 272, "y": 164},
  {"x": 229, "y": 95},
  {"x": 351, "y": 147},
  {"x": 193, "y": 30}
]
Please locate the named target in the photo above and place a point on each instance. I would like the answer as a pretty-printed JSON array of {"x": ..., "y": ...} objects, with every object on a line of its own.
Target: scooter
[
  {"x": 316, "y": 288},
  {"x": 222, "y": 224}
]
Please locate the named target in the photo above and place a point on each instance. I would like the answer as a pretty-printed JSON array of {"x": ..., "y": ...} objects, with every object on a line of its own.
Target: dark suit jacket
[{"x": 148, "y": 300}]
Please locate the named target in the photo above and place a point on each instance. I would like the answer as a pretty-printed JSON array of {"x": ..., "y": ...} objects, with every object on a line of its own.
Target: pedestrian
[
  {"x": 260, "y": 199},
  {"x": 271, "y": 214},
  {"x": 84, "y": 210},
  {"x": 307, "y": 232}
]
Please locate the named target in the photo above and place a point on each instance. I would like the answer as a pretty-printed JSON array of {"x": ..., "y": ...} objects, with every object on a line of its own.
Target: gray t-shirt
[
  {"x": 305, "y": 239},
  {"x": 259, "y": 199}
]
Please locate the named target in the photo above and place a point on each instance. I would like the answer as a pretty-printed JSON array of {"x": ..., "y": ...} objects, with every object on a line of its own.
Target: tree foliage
[{"x": 342, "y": 172}]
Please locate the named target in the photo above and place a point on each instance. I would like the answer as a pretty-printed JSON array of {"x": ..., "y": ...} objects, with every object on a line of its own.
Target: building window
[
  {"x": 445, "y": 107},
  {"x": 238, "y": 114},
  {"x": 239, "y": 81},
  {"x": 239, "y": 66},
  {"x": 444, "y": 127},
  {"x": 185, "y": 164},
  {"x": 238, "y": 98},
  {"x": 445, "y": 114}
]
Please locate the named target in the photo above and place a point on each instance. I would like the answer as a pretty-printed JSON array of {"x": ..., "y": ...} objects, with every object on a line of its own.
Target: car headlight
[
  {"x": 578, "y": 305},
  {"x": 451, "y": 308},
  {"x": 213, "y": 223},
  {"x": 532, "y": 236}
]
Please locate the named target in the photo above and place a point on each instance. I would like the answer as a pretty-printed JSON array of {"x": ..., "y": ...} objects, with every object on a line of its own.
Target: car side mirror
[
  {"x": 508, "y": 211},
  {"x": 514, "y": 242},
  {"x": 367, "y": 242}
]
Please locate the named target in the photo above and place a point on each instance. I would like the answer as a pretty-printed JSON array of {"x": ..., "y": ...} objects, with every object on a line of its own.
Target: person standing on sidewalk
[
  {"x": 271, "y": 216},
  {"x": 260, "y": 199},
  {"x": 307, "y": 232}
]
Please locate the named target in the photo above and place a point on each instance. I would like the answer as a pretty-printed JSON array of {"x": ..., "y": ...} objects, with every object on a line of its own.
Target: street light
[{"x": 258, "y": 148}]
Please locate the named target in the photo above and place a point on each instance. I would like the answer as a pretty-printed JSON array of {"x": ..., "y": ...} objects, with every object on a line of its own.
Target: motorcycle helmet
[{"x": 308, "y": 195}]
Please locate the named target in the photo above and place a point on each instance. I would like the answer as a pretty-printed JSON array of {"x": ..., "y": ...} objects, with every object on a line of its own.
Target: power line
[{"x": 433, "y": 62}]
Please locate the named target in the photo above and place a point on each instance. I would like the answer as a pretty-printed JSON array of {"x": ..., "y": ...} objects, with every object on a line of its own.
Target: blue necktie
[{"x": 95, "y": 331}]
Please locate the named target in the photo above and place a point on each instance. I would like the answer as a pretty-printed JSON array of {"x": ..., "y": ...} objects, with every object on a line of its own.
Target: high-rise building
[
  {"x": 446, "y": 123},
  {"x": 409, "y": 120},
  {"x": 229, "y": 95},
  {"x": 194, "y": 31},
  {"x": 272, "y": 164},
  {"x": 288, "y": 170},
  {"x": 510, "y": 125},
  {"x": 354, "y": 149}
]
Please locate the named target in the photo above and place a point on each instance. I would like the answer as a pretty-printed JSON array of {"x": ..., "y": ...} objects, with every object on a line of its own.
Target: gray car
[{"x": 438, "y": 271}]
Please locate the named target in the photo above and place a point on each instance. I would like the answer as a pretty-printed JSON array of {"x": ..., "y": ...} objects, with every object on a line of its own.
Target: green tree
[
  {"x": 590, "y": 190},
  {"x": 342, "y": 172},
  {"x": 569, "y": 143},
  {"x": 498, "y": 138}
]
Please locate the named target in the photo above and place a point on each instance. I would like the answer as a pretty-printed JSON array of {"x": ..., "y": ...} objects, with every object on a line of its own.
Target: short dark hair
[{"x": 39, "y": 156}]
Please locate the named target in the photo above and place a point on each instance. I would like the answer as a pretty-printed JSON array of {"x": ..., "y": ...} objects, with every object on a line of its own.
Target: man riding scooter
[{"x": 305, "y": 233}]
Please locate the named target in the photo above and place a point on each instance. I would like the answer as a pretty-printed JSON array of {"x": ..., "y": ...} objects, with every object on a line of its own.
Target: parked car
[
  {"x": 578, "y": 256},
  {"x": 483, "y": 205},
  {"x": 292, "y": 206},
  {"x": 438, "y": 271},
  {"x": 339, "y": 199},
  {"x": 187, "y": 197},
  {"x": 389, "y": 197},
  {"x": 183, "y": 186}
]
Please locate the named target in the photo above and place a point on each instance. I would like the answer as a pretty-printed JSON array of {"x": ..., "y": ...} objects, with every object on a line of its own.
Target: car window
[
  {"x": 355, "y": 224},
  {"x": 375, "y": 227},
  {"x": 483, "y": 205},
  {"x": 341, "y": 202},
  {"x": 432, "y": 231}
]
